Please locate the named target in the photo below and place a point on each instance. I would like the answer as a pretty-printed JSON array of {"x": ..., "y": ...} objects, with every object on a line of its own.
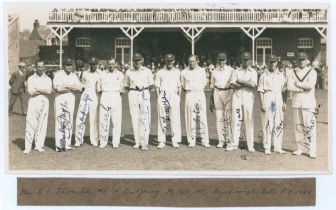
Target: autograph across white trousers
[
  {"x": 272, "y": 124},
  {"x": 168, "y": 105},
  {"x": 140, "y": 108},
  {"x": 36, "y": 121},
  {"x": 242, "y": 114},
  {"x": 195, "y": 110},
  {"x": 64, "y": 106},
  {"x": 223, "y": 105},
  {"x": 88, "y": 104},
  {"x": 110, "y": 110},
  {"x": 305, "y": 129}
]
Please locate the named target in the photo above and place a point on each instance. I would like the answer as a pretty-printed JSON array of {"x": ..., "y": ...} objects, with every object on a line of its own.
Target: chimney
[
  {"x": 36, "y": 24},
  {"x": 35, "y": 34}
]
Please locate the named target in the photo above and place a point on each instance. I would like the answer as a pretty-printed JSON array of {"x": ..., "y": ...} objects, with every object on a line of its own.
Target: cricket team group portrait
[{"x": 169, "y": 89}]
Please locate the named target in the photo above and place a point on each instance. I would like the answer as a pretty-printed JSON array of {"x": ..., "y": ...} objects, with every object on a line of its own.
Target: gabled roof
[{"x": 44, "y": 32}]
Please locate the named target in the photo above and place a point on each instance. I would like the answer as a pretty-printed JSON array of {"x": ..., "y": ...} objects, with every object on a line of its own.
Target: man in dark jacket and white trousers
[{"x": 17, "y": 84}]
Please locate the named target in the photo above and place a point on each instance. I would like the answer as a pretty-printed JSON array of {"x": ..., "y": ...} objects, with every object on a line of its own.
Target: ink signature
[
  {"x": 144, "y": 115},
  {"x": 64, "y": 120},
  {"x": 165, "y": 119},
  {"x": 307, "y": 130},
  {"x": 40, "y": 118},
  {"x": 227, "y": 130},
  {"x": 82, "y": 116},
  {"x": 104, "y": 128},
  {"x": 198, "y": 128},
  {"x": 277, "y": 130}
]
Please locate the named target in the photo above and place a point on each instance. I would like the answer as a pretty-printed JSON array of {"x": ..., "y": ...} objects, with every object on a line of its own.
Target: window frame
[{"x": 304, "y": 46}]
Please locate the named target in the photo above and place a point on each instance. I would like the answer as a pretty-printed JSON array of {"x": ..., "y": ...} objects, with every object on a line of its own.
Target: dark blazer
[{"x": 16, "y": 82}]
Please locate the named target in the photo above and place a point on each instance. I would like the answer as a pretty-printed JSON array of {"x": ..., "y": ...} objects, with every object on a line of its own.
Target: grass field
[{"x": 198, "y": 158}]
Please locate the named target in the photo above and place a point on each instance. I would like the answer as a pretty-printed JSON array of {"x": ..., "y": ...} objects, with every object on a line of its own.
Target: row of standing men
[{"x": 232, "y": 100}]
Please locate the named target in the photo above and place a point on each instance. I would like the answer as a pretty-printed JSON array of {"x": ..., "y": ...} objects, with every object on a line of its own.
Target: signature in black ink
[
  {"x": 227, "y": 130},
  {"x": 199, "y": 126},
  {"x": 40, "y": 118},
  {"x": 82, "y": 115},
  {"x": 307, "y": 130},
  {"x": 277, "y": 130},
  {"x": 144, "y": 115},
  {"x": 104, "y": 122},
  {"x": 64, "y": 119},
  {"x": 165, "y": 119}
]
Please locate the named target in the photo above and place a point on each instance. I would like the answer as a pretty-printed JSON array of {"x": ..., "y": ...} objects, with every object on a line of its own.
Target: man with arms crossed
[
  {"x": 65, "y": 83},
  {"x": 39, "y": 87},
  {"x": 302, "y": 82},
  {"x": 244, "y": 81},
  {"x": 168, "y": 89},
  {"x": 193, "y": 80}
]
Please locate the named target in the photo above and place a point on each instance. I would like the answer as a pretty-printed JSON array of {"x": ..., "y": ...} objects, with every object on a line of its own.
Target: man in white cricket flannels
[
  {"x": 111, "y": 86},
  {"x": 39, "y": 87},
  {"x": 221, "y": 99},
  {"x": 272, "y": 87},
  {"x": 244, "y": 81},
  {"x": 88, "y": 104},
  {"x": 302, "y": 82},
  {"x": 193, "y": 80},
  {"x": 168, "y": 89},
  {"x": 139, "y": 80},
  {"x": 65, "y": 84}
]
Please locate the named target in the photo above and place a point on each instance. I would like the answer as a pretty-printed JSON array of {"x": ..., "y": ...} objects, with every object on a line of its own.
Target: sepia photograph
[{"x": 163, "y": 88}]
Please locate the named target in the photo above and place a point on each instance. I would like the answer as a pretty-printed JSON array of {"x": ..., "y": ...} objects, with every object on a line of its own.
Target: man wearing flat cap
[
  {"x": 17, "y": 84},
  {"x": 302, "y": 82},
  {"x": 168, "y": 89},
  {"x": 272, "y": 87},
  {"x": 65, "y": 83},
  {"x": 193, "y": 81},
  {"x": 88, "y": 104},
  {"x": 244, "y": 81},
  {"x": 138, "y": 81},
  {"x": 221, "y": 99}
]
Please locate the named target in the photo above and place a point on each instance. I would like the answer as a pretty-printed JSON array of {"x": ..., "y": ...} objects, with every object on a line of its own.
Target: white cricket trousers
[
  {"x": 305, "y": 129},
  {"x": 168, "y": 105},
  {"x": 88, "y": 104},
  {"x": 195, "y": 110},
  {"x": 273, "y": 125},
  {"x": 223, "y": 106},
  {"x": 242, "y": 114},
  {"x": 36, "y": 122},
  {"x": 110, "y": 110},
  {"x": 140, "y": 108},
  {"x": 64, "y": 106}
]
